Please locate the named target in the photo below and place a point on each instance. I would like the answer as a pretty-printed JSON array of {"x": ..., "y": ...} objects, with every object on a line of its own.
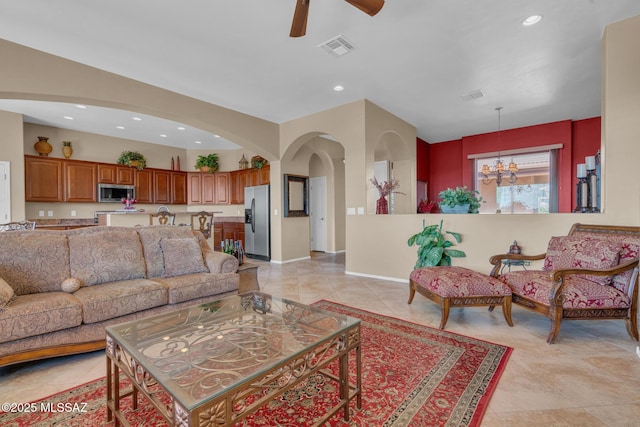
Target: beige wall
[
  {"x": 11, "y": 150},
  {"x": 376, "y": 245}
]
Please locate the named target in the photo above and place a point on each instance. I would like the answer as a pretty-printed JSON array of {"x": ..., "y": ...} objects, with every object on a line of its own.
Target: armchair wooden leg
[
  {"x": 632, "y": 327},
  {"x": 444, "y": 304},
  {"x": 555, "y": 315},
  {"x": 412, "y": 292},
  {"x": 506, "y": 309}
]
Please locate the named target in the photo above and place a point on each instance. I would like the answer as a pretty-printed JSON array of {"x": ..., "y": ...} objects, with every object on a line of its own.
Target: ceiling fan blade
[
  {"x": 370, "y": 7},
  {"x": 299, "y": 24}
]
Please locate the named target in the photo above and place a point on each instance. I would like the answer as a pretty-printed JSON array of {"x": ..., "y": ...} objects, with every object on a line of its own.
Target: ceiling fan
[{"x": 299, "y": 24}]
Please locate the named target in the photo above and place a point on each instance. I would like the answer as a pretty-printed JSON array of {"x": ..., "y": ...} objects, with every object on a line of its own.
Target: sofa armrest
[
  {"x": 496, "y": 261},
  {"x": 217, "y": 262}
]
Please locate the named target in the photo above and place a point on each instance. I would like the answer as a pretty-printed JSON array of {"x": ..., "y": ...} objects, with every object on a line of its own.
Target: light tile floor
[{"x": 589, "y": 377}]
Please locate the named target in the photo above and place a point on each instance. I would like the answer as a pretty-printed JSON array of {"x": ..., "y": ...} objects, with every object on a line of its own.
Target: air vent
[
  {"x": 337, "y": 46},
  {"x": 475, "y": 94}
]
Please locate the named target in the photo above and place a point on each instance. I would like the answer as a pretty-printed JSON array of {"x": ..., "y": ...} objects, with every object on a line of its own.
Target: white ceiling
[{"x": 416, "y": 58}]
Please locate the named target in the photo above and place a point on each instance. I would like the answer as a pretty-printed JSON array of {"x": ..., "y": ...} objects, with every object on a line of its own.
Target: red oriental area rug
[{"x": 412, "y": 375}]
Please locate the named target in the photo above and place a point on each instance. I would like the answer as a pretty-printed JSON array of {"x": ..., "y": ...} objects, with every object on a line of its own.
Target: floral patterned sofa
[
  {"x": 592, "y": 273},
  {"x": 59, "y": 289}
]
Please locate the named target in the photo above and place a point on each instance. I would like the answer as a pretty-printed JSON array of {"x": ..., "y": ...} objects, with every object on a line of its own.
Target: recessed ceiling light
[
  {"x": 216, "y": 136},
  {"x": 137, "y": 119},
  {"x": 197, "y": 142},
  {"x": 181, "y": 128},
  {"x": 162, "y": 135},
  {"x": 532, "y": 20},
  {"x": 120, "y": 127},
  {"x": 68, "y": 117},
  {"x": 338, "y": 88},
  {"x": 84, "y": 107}
]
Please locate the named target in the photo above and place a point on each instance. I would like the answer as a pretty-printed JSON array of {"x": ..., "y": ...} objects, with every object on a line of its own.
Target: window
[{"x": 533, "y": 189}]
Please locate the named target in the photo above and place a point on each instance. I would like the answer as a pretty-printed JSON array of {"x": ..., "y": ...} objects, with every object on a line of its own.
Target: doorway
[{"x": 318, "y": 213}]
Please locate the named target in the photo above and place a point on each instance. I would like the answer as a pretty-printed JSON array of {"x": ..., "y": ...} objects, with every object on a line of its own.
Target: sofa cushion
[
  {"x": 150, "y": 236},
  {"x": 33, "y": 263},
  {"x": 580, "y": 252},
  {"x": 106, "y": 256},
  {"x": 191, "y": 286},
  {"x": 577, "y": 292},
  {"x": 110, "y": 300},
  {"x": 182, "y": 256},
  {"x": 35, "y": 314},
  {"x": 6, "y": 293}
]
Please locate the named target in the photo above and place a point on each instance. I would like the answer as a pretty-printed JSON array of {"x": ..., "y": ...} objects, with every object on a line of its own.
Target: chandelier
[{"x": 498, "y": 171}]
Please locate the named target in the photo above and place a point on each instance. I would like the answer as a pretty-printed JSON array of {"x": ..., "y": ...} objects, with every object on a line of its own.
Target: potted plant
[
  {"x": 208, "y": 163},
  {"x": 434, "y": 247},
  {"x": 133, "y": 159},
  {"x": 426, "y": 206},
  {"x": 460, "y": 200}
]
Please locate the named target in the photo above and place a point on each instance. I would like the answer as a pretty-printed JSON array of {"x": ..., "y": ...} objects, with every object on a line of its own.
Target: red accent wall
[
  {"x": 422, "y": 160},
  {"x": 450, "y": 167},
  {"x": 445, "y": 166}
]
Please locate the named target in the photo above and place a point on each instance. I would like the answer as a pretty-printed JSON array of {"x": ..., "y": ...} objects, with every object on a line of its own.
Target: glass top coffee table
[{"x": 216, "y": 363}]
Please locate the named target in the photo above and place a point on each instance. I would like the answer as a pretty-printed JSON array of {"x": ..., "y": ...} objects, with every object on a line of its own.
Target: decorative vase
[
  {"x": 67, "y": 151},
  {"x": 42, "y": 147},
  {"x": 382, "y": 206},
  {"x": 133, "y": 163},
  {"x": 457, "y": 209},
  {"x": 205, "y": 169}
]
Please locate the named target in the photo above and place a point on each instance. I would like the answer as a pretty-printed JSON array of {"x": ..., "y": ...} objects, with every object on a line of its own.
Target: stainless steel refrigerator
[{"x": 257, "y": 230}]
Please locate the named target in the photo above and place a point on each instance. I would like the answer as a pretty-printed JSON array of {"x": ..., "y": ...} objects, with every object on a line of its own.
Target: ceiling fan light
[{"x": 370, "y": 7}]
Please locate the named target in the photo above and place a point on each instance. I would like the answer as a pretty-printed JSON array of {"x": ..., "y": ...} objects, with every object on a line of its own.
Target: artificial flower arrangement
[
  {"x": 384, "y": 189},
  {"x": 128, "y": 202},
  {"x": 426, "y": 206}
]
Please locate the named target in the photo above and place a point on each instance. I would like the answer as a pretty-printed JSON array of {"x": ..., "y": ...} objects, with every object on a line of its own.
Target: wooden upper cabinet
[
  {"x": 222, "y": 181},
  {"x": 43, "y": 179},
  {"x": 80, "y": 183},
  {"x": 114, "y": 174},
  {"x": 264, "y": 175},
  {"x": 208, "y": 188},
  {"x": 194, "y": 188},
  {"x": 179, "y": 188},
  {"x": 239, "y": 180},
  {"x": 144, "y": 186},
  {"x": 162, "y": 186}
]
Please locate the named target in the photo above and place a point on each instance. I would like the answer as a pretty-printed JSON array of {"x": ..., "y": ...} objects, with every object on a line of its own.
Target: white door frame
[
  {"x": 5, "y": 191},
  {"x": 318, "y": 213}
]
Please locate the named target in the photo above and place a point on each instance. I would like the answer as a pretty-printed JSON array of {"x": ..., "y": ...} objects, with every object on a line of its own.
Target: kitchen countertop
[{"x": 215, "y": 218}]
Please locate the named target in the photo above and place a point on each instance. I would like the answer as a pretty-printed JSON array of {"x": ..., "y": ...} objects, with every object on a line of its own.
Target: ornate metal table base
[{"x": 239, "y": 397}]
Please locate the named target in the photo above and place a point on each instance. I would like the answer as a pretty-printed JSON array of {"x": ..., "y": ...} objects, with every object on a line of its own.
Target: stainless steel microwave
[{"x": 111, "y": 193}]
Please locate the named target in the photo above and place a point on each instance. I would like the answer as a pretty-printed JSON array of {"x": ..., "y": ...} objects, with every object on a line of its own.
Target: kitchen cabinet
[
  {"x": 80, "y": 182},
  {"x": 144, "y": 186},
  {"x": 43, "y": 179},
  {"x": 239, "y": 180},
  {"x": 179, "y": 188},
  {"x": 222, "y": 193},
  {"x": 201, "y": 188},
  {"x": 227, "y": 231},
  {"x": 161, "y": 186},
  {"x": 114, "y": 174}
]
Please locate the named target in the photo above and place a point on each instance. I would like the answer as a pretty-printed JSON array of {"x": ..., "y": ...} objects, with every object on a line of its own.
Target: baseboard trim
[
  {"x": 291, "y": 260},
  {"x": 374, "y": 276}
]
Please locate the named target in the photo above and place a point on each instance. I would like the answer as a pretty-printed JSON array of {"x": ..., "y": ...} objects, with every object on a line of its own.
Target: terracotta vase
[
  {"x": 205, "y": 169},
  {"x": 42, "y": 147},
  {"x": 382, "y": 206},
  {"x": 67, "y": 151}
]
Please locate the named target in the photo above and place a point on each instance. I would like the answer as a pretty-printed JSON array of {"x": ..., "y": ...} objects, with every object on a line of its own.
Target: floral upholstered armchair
[{"x": 590, "y": 274}]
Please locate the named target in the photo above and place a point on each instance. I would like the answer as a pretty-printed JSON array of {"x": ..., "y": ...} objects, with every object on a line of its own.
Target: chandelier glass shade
[{"x": 497, "y": 172}]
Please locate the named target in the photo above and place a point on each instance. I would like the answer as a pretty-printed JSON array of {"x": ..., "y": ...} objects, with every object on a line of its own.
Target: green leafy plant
[
  {"x": 133, "y": 159},
  {"x": 209, "y": 161},
  {"x": 66, "y": 143},
  {"x": 434, "y": 249},
  {"x": 461, "y": 196}
]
